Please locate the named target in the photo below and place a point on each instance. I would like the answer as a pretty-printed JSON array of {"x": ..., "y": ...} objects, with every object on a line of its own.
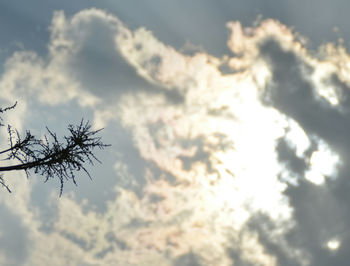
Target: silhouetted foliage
[{"x": 49, "y": 156}]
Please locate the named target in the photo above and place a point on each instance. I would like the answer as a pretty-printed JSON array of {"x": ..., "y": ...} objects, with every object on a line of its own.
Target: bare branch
[
  {"x": 51, "y": 157},
  {"x": 5, "y": 110}
]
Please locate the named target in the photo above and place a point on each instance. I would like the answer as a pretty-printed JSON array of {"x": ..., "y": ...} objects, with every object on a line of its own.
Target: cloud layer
[{"x": 242, "y": 167}]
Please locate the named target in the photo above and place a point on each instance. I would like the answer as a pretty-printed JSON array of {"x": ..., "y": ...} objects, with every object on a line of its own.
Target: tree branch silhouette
[{"x": 49, "y": 156}]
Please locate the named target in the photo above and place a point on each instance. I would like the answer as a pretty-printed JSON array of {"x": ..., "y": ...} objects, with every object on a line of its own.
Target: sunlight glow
[
  {"x": 297, "y": 138},
  {"x": 323, "y": 72},
  {"x": 323, "y": 163},
  {"x": 333, "y": 244}
]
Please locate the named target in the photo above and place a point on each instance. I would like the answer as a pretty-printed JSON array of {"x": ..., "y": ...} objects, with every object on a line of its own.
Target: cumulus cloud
[{"x": 230, "y": 168}]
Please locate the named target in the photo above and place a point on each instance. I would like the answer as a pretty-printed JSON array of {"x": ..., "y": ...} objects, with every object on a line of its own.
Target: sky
[{"x": 228, "y": 123}]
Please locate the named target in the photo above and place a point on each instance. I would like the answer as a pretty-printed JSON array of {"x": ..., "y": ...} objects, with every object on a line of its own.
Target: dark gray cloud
[
  {"x": 236, "y": 257},
  {"x": 14, "y": 240},
  {"x": 320, "y": 216},
  {"x": 189, "y": 259},
  {"x": 100, "y": 66},
  {"x": 287, "y": 154},
  {"x": 264, "y": 226},
  {"x": 321, "y": 212}
]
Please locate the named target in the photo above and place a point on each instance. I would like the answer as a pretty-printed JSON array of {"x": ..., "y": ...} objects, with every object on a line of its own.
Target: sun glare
[
  {"x": 323, "y": 163},
  {"x": 333, "y": 244}
]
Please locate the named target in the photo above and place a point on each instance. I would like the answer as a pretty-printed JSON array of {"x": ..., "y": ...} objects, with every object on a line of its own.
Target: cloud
[
  {"x": 213, "y": 107},
  {"x": 164, "y": 132},
  {"x": 214, "y": 168},
  {"x": 318, "y": 104}
]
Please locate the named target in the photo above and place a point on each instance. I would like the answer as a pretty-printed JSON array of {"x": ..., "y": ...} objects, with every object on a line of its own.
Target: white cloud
[
  {"x": 218, "y": 144},
  {"x": 323, "y": 164}
]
